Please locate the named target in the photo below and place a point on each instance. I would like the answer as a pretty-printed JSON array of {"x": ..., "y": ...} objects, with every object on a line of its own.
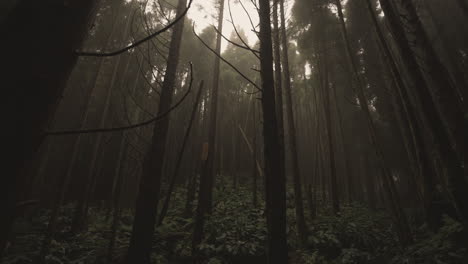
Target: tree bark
[
  {"x": 150, "y": 184},
  {"x": 205, "y": 194},
  {"x": 35, "y": 76},
  {"x": 275, "y": 179},
  {"x": 388, "y": 184},
  {"x": 179, "y": 157},
  {"x": 298, "y": 199},
  {"x": 428, "y": 115}
]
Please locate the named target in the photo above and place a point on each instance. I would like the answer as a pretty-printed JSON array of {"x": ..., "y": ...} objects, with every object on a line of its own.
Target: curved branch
[
  {"x": 250, "y": 18},
  {"x": 234, "y": 43},
  {"x": 237, "y": 32},
  {"x": 137, "y": 43},
  {"x": 122, "y": 128},
  {"x": 225, "y": 61}
]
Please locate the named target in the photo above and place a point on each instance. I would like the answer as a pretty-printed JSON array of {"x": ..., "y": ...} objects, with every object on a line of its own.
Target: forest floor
[{"x": 236, "y": 233}]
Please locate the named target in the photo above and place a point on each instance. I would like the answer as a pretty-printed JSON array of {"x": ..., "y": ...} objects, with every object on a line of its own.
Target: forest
[{"x": 234, "y": 131}]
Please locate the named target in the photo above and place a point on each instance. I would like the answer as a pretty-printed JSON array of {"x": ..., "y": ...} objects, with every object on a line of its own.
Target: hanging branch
[
  {"x": 137, "y": 43},
  {"x": 235, "y": 44},
  {"x": 237, "y": 32},
  {"x": 250, "y": 18},
  {"x": 254, "y": 3},
  {"x": 123, "y": 128},
  {"x": 224, "y": 60}
]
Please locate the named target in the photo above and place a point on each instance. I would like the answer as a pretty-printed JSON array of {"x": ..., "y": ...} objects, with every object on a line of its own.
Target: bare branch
[
  {"x": 237, "y": 32},
  {"x": 250, "y": 18},
  {"x": 137, "y": 43},
  {"x": 235, "y": 44},
  {"x": 122, "y": 128},
  {"x": 223, "y": 59}
]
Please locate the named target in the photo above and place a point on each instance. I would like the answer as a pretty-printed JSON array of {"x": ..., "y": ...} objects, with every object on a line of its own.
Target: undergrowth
[{"x": 236, "y": 232}]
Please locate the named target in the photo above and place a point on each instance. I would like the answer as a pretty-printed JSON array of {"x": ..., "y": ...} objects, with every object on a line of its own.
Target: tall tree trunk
[
  {"x": 410, "y": 128},
  {"x": 35, "y": 76},
  {"x": 348, "y": 168},
  {"x": 116, "y": 195},
  {"x": 299, "y": 204},
  {"x": 64, "y": 182},
  {"x": 444, "y": 91},
  {"x": 275, "y": 180},
  {"x": 205, "y": 194},
  {"x": 429, "y": 116},
  {"x": 210, "y": 169},
  {"x": 388, "y": 184},
  {"x": 254, "y": 156},
  {"x": 180, "y": 156},
  {"x": 81, "y": 213},
  {"x": 150, "y": 183},
  {"x": 327, "y": 105},
  {"x": 278, "y": 77}
]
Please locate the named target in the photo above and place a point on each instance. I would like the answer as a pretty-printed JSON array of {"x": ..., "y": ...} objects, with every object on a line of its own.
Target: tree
[
  {"x": 150, "y": 182},
  {"x": 428, "y": 114},
  {"x": 36, "y": 76},
  {"x": 207, "y": 174},
  {"x": 301, "y": 226},
  {"x": 273, "y": 151}
]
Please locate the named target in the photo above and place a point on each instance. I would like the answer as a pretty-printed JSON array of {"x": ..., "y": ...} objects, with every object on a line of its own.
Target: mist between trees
[{"x": 337, "y": 135}]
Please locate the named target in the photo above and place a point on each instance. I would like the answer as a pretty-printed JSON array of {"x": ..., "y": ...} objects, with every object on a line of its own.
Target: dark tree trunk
[
  {"x": 428, "y": 114},
  {"x": 116, "y": 195},
  {"x": 205, "y": 194},
  {"x": 411, "y": 130},
  {"x": 278, "y": 77},
  {"x": 388, "y": 183},
  {"x": 299, "y": 204},
  {"x": 277, "y": 251},
  {"x": 444, "y": 91},
  {"x": 179, "y": 157},
  {"x": 35, "y": 76},
  {"x": 254, "y": 156},
  {"x": 327, "y": 105},
  {"x": 150, "y": 183},
  {"x": 80, "y": 214}
]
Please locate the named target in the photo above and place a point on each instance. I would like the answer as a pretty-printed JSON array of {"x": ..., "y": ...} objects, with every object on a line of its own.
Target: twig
[
  {"x": 235, "y": 44},
  {"x": 122, "y": 128},
  {"x": 224, "y": 60},
  {"x": 137, "y": 43},
  {"x": 237, "y": 32}
]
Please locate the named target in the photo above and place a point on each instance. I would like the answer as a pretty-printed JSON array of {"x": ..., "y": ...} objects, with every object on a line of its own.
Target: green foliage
[
  {"x": 442, "y": 247},
  {"x": 235, "y": 228},
  {"x": 357, "y": 235},
  {"x": 236, "y": 232}
]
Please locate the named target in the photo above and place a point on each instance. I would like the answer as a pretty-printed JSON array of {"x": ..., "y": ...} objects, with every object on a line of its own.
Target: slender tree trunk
[
  {"x": 278, "y": 76},
  {"x": 207, "y": 174},
  {"x": 444, "y": 92},
  {"x": 210, "y": 169},
  {"x": 116, "y": 196},
  {"x": 254, "y": 156},
  {"x": 348, "y": 168},
  {"x": 393, "y": 199},
  {"x": 179, "y": 157},
  {"x": 275, "y": 179},
  {"x": 35, "y": 76},
  {"x": 150, "y": 183},
  {"x": 298, "y": 200},
  {"x": 64, "y": 183},
  {"x": 81, "y": 213},
  {"x": 327, "y": 105},
  {"x": 429, "y": 116}
]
